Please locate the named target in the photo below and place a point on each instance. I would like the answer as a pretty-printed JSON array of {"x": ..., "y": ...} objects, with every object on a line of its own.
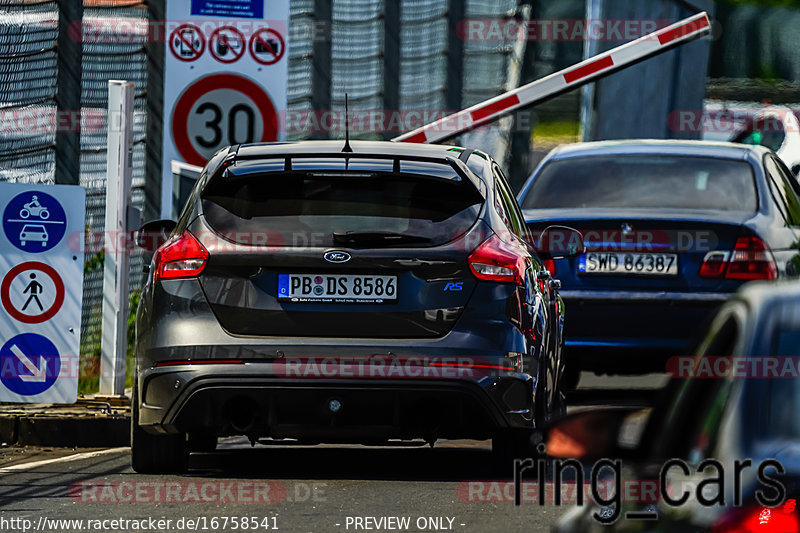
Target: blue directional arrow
[{"x": 29, "y": 364}]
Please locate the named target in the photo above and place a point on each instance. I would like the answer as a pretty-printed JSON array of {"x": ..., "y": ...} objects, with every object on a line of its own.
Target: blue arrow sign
[
  {"x": 29, "y": 364},
  {"x": 34, "y": 221}
]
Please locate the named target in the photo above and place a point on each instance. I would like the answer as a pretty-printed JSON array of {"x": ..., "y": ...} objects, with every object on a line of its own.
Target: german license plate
[
  {"x": 338, "y": 288},
  {"x": 638, "y": 264}
]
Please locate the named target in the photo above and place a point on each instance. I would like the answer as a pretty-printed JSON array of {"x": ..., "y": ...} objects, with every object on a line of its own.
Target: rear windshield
[
  {"x": 301, "y": 209},
  {"x": 645, "y": 181}
]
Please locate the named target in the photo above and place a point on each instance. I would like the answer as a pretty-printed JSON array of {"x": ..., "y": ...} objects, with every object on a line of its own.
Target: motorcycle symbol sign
[
  {"x": 34, "y": 208},
  {"x": 34, "y": 222}
]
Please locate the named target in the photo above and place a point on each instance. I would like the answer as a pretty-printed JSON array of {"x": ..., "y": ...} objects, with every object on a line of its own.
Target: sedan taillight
[
  {"x": 180, "y": 257},
  {"x": 496, "y": 260},
  {"x": 749, "y": 260}
]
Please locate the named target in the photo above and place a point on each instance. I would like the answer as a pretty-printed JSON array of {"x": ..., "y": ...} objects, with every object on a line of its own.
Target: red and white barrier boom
[{"x": 555, "y": 84}]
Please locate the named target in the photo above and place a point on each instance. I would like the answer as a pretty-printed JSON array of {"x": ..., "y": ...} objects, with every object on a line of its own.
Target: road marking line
[{"x": 67, "y": 458}]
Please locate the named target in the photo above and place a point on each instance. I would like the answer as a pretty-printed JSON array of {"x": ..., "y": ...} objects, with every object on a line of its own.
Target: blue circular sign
[
  {"x": 34, "y": 221},
  {"x": 29, "y": 364}
]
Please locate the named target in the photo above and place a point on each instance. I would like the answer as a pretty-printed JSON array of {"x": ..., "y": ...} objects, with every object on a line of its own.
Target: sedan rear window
[
  {"x": 307, "y": 208},
  {"x": 645, "y": 181}
]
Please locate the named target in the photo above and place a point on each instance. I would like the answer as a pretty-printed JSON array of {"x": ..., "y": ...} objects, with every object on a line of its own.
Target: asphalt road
[{"x": 452, "y": 487}]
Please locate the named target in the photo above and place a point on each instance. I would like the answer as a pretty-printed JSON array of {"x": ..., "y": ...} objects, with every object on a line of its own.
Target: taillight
[
  {"x": 180, "y": 257},
  {"x": 714, "y": 264},
  {"x": 495, "y": 260},
  {"x": 761, "y": 519},
  {"x": 550, "y": 265},
  {"x": 749, "y": 260}
]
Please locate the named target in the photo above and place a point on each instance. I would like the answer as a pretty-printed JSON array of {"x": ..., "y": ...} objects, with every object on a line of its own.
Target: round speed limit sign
[{"x": 220, "y": 110}]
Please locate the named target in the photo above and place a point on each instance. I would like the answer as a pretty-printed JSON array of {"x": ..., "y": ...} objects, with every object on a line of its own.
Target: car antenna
[{"x": 346, "y": 147}]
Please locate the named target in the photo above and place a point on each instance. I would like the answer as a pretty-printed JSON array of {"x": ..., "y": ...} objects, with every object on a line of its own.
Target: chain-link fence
[
  {"x": 360, "y": 64},
  {"x": 28, "y": 36}
]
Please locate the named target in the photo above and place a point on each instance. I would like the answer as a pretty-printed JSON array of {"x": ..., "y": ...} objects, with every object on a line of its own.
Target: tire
[
  {"x": 548, "y": 407},
  {"x": 155, "y": 454},
  {"x": 541, "y": 407},
  {"x": 44, "y": 214},
  {"x": 558, "y": 409},
  {"x": 24, "y": 213}
]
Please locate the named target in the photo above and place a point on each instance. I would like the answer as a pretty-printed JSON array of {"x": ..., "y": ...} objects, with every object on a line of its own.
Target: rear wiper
[{"x": 376, "y": 237}]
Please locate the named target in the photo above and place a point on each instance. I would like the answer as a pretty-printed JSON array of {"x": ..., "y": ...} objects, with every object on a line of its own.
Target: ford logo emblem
[{"x": 337, "y": 256}]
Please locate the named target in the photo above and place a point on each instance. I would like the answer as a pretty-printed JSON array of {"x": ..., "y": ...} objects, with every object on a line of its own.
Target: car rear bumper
[
  {"x": 257, "y": 399},
  {"x": 633, "y": 331}
]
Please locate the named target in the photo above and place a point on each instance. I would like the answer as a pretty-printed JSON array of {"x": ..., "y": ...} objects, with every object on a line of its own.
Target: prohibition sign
[
  {"x": 187, "y": 43},
  {"x": 261, "y": 103},
  {"x": 45, "y": 315},
  {"x": 267, "y": 46},
  {"x": 226, "y": 44}
]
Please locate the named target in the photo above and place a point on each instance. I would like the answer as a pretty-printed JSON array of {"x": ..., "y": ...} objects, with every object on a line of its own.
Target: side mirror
[
  {"x": 153, "y": 234},
  {"x": 557, "y": 242},
  {"x": 596, "y": 433}
]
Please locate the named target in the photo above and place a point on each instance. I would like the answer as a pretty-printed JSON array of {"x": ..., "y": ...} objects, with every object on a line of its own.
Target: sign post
[
  {"x": 41, "y": 254},
  {"x": 116, "y": 265}
]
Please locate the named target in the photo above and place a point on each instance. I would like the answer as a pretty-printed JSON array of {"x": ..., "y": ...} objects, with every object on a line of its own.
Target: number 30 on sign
[{"x": 221, "y": 110}]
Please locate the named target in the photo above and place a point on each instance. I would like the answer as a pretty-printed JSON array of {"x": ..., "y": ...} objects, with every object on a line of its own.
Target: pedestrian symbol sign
[
  {"x": 32, "y": 292},
  {"x": 34, "y": 222},
  {"x": 35, "y": 288},
  {"x": 29, "y": 364}
]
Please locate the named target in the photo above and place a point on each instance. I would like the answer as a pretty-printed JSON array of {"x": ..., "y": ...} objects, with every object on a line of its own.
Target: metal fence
[
  {"x": 27, "y": 86},
  {"x": 352, "y": 46},
  {"x": 361, "y": 57}
]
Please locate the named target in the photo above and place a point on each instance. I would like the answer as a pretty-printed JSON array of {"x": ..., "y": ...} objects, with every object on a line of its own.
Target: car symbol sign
[{"x": 337, "y": 256}]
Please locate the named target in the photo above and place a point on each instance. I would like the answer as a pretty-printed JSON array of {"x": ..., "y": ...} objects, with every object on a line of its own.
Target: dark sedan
[{"x": 672, "y": 229}]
